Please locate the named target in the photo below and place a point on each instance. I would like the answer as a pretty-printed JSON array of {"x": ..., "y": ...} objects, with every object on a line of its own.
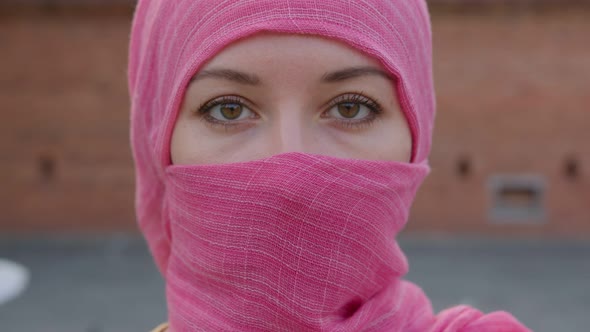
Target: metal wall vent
[{"x": 517, "y": 198}]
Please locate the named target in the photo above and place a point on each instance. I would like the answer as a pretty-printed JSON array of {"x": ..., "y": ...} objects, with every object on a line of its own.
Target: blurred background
[{"x": 501, "y": 223}]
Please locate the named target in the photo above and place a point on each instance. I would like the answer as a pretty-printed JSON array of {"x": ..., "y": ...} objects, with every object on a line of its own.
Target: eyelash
[
  {"x": 206, "y": 107},
  {"x": 360, "y": 98}
]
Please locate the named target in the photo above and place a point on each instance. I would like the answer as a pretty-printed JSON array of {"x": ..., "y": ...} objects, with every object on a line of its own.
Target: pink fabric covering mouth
[
  {"x": 294, "y": 242},
  {"x": 299, "y": 242}
]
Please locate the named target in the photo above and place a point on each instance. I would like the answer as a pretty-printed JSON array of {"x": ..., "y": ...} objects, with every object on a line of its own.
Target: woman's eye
[
  {"x": 350, "y": 110},
  {"x": 229, "y": 112},
  {"x": 353, "y": 110},
  {"x": 226, "y": 111}
]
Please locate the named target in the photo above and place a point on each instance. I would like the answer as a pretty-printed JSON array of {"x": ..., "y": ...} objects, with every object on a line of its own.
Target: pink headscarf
[{"x": 207, "y": 254}]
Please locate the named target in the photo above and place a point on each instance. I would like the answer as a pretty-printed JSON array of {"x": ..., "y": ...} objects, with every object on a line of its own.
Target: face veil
[
  {"x": 296, "y": 241},
  {"x": 291, "y": 242}
]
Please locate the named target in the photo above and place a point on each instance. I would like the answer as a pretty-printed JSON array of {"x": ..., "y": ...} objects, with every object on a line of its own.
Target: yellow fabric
[{"x": 161, "y": 328}]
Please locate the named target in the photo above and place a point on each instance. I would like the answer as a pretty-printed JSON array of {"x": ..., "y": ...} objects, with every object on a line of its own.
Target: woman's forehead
[{"x": 303, "y": 51}]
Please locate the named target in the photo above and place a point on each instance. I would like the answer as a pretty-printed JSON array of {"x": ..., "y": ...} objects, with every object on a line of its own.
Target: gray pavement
[{"x": 108, "y": 283}]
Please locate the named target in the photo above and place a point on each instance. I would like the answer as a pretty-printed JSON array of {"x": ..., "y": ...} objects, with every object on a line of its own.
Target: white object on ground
[{"x": 13, "y": 280}]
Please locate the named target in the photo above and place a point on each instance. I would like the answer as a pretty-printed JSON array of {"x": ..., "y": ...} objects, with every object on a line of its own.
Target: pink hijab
[{"x": 280, "y": 258}]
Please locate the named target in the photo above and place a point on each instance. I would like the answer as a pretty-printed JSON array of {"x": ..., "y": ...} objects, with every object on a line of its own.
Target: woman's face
[{"x": 271, "y": 94}]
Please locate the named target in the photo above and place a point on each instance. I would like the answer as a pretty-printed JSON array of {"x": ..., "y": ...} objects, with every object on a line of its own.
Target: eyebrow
[
  {"x": 252, "y": 79},
  {"x": 228, "y": 74},
  {"x": 353, "y": 72}
]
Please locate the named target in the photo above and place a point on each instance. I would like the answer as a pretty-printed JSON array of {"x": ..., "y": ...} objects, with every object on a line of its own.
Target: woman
[{"x": 278, "y": 146}]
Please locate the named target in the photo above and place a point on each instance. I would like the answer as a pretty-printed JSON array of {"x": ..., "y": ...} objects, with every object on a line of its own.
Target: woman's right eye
[
  {"x": 226, "y": 111},
  {"x": 229, "y": 112}
]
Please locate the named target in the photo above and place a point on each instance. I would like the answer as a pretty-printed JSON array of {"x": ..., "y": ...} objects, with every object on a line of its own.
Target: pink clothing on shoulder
[{"x": 294, "y": 242}]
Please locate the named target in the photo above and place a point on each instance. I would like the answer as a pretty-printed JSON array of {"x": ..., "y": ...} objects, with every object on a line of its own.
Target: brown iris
[
  {"x": 231, "y": 111},
  {"x": 349, "y": 110}
]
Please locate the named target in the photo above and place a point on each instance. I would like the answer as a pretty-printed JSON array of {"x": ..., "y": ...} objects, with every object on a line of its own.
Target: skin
[{"x": 270, "y": 94}]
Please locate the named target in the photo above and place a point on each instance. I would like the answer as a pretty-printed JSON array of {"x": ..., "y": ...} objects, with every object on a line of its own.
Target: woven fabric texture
[{"x": 293, "y": 242}]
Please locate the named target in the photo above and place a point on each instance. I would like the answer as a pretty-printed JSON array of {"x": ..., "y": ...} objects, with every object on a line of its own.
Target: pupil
[
  {"x": 349, "y": 110},
  {"x": 231, "y": 111}
]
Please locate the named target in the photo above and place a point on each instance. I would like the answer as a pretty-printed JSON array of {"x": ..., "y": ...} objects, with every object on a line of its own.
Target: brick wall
[
  {"x": 513, "y": 98},
  {"x": 65, "y": 161}
]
